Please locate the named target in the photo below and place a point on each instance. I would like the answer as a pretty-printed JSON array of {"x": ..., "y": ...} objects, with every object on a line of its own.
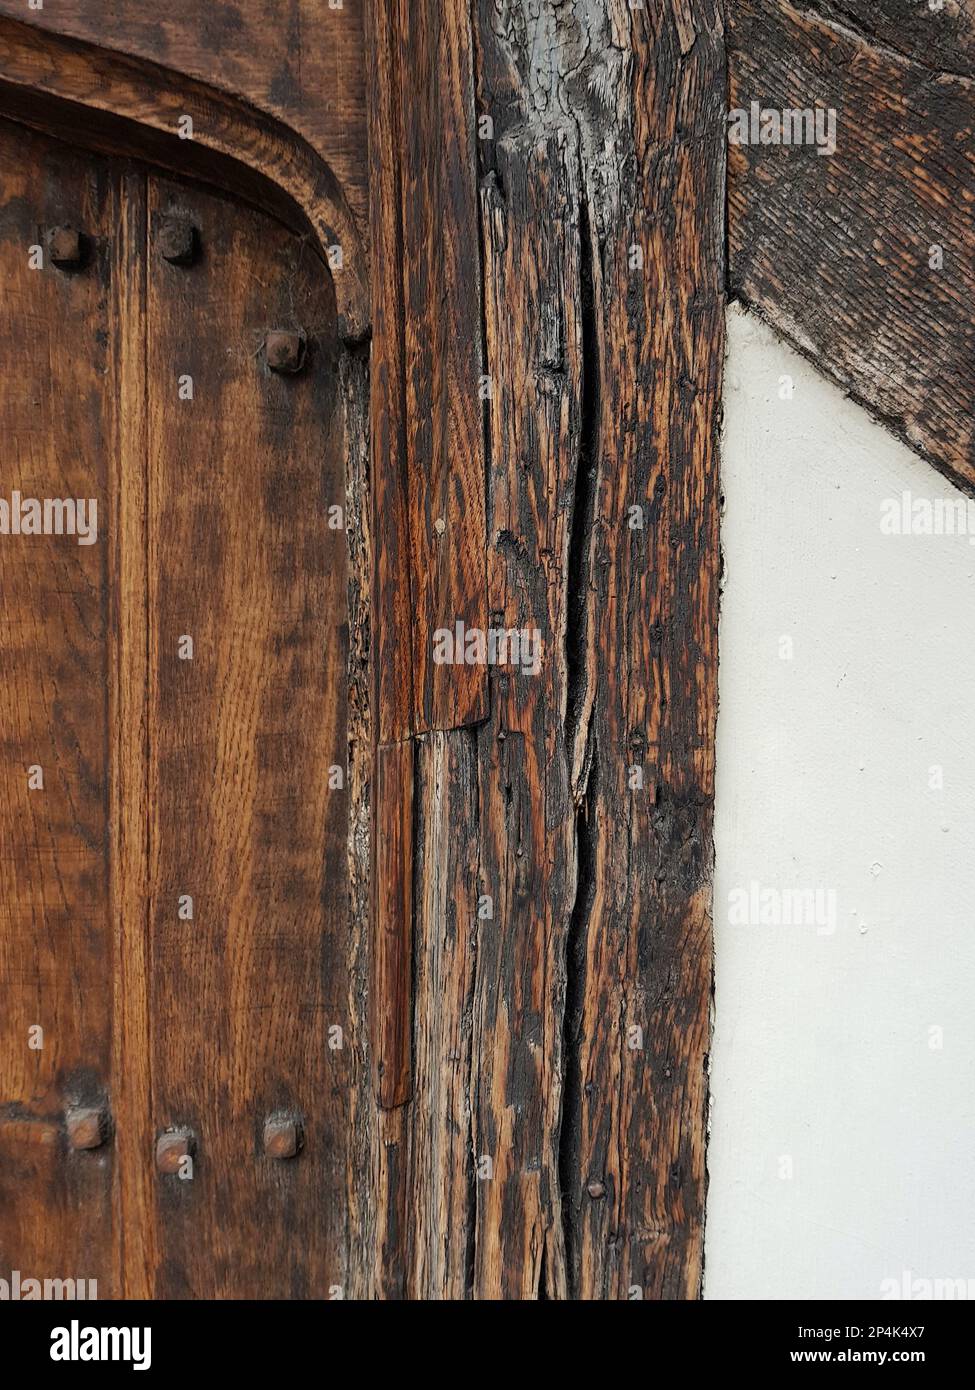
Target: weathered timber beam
[
  {"x": 562, "y": 899},
  {"x": 864, "y": 258},
  {"x": 938, "y": 33}
]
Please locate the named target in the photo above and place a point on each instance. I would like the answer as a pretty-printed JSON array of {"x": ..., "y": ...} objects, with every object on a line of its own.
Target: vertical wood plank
[
  {"x": 634, "y": 1128},
  {"x": 364, "y": 1116},
  {"x": 393, "y": 676},
  {"x": 129, "y": 747},
  {"x": 428, "y": 417},
  {"x": 441, "y": 1185},
  {"x": 443, "y": 358},
  {"x": 602, "y": 229},
  {"x": 391, "y": 1001},
  {"x": 55, "y": 940},
  {"x": 527, "y": 848},
  {"x": 244, "y": 739}
]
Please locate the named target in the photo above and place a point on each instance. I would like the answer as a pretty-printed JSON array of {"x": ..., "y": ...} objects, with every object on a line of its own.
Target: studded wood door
[{"x": 174, "y": 1067}]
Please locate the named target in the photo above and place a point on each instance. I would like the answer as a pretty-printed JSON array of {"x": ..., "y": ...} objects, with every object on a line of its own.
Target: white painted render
[{"x": 842, "y": 1137}]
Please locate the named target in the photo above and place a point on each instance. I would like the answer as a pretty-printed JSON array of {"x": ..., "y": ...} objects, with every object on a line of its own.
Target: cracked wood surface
[
  {"x": 835, "y": 251},
  {"x": 554, "y": 1142},
  {"x": 938, "y": 33}
]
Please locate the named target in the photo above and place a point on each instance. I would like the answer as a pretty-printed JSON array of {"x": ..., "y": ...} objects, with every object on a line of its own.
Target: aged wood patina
[{"x": 439, "y": 1029}]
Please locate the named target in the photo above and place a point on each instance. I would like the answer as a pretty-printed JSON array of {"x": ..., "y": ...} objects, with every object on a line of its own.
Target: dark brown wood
[
  {"x": 128, "y": 694},
  {"x": 362, "y": 1137},
  {"x": 301, "y": 62},
  {"x": 428, "y": 412},
  {"x": 391, "y": 998},
  {"x": 865, "y": 259},
  {"x": 134, "y": 780},
  {"x": 626, "y": 383},
  {"x": 937, "y": 33},
  {"x": 112, "y": 102},
  {"x": 56, "y": 420},
  {"x": 556, "y": 908},
  {"x": 537, "y": 905},
  {"x": 392, "y": 652},
  {"x": 443, "y": 358},
  {"x": 527, "y": 832}
]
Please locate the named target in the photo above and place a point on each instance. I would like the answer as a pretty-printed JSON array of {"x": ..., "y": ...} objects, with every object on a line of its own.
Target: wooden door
[
  {"x": 533, "y": 223},
  {"x": 174, "y": 1053}
]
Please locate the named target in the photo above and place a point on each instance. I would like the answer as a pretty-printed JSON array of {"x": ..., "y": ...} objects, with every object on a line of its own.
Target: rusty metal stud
[
  {"x": 172, "y": 1146},
  {"x": 285, "y": 350},
  {"x": 177, "y": 239},
  {"x": 282, "y": 1137},
  {"x": 87, "y": 1126},
  {"x": 67, "y": 247}
]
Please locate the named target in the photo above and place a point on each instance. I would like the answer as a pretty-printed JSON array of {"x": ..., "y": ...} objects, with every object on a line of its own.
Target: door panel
[
  {"x": 56, "y": 423},
  {"x": 241, "y": 740},
  {"x": 171, "y": 774}
]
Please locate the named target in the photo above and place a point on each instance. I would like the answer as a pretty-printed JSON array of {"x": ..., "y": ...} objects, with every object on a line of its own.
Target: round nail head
[
  {"x": 86, "y": 1126},
  {"x": 281, "y": 1138},
  {"x": 172, "y": 1147}
]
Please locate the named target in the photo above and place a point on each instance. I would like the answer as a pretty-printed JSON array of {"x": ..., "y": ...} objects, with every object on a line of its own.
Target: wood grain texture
[
  {"x": 428, "y": 419},
  {"x": 128, "y": 691},
  {"x": 364, "y": 1117},
  {"x": 391, "y": 999},
  {"x": 56, "y": 421},
  {"x": 441, "y": 1178},
  {"x": 300, "y": 61},
  {"x": 534, "y": 908},
  {"x": 528, "y": 818},
  {"x": 836, "y": 251},
  {"x": 428, "y": 449},
  {"x": 938, "y": 33},
  {"x": 119, "y": 104},
  {"x": 226, "y": 777},
  {"x": 392, "y": 636},
  {"x": 243, "y": 739},
  {"x": 557, "y": 908},
  {"x": 443, "y": 352}
]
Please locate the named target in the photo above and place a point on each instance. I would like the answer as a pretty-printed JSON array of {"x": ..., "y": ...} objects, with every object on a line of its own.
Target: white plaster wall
[{"x": 822, "y": 1050}]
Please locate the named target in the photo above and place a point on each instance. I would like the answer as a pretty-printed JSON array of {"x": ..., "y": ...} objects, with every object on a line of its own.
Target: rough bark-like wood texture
[
  {"x": 391, "y": 1030},
  {"x": 840, "y": 252},
  {"x": 56, "y": 422},
  {"x": 937, "y": 33},
  {"x": 428, "y": 421},
  {"x": 362, "y": 1139},
  {"x": 298, "y": 60},
  {"x": 559, "y": 907}
]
